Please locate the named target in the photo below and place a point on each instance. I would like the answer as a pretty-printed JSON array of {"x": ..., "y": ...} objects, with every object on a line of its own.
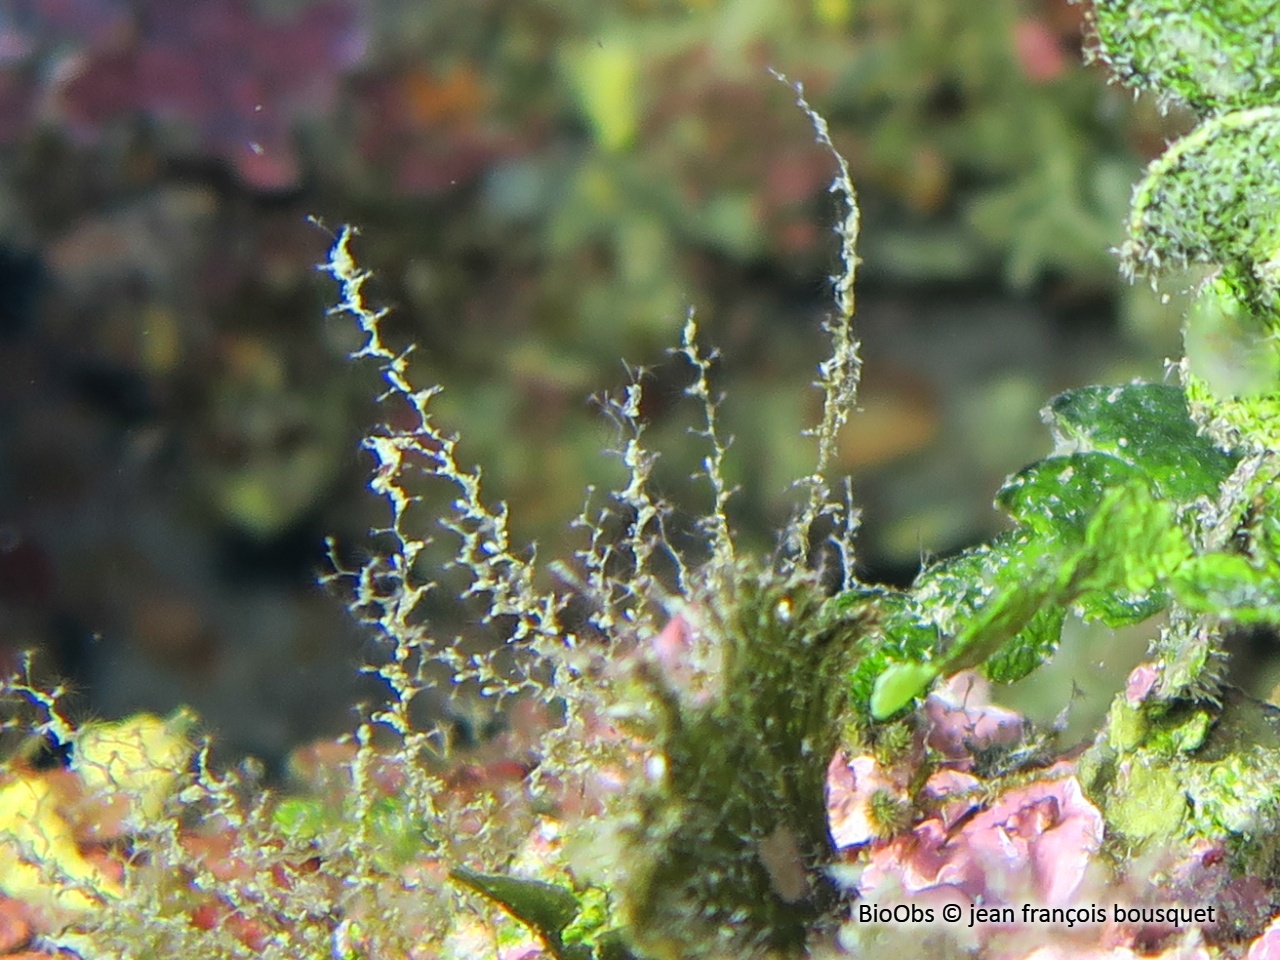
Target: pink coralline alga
[
  {"x": 688, "y": 660},
  {"x": 1038, "y": 51},
  {"x": 851, "y": 783},
  {"x": 230, "y": 81},
  {"x": 1142, "y": 681},
  {"x": 1267, "y": 946},
  {"x": 962, "y": 719},
  {"x": 672, "y": 651},
  {"x": 1035, "y": 843}
]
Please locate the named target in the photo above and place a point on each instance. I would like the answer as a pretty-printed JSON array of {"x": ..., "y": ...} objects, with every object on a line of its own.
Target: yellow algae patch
[
  {"x": 141, "y": 758},
  {"x": 40, "y": 863},
  {"x": 606, "y": 77}
]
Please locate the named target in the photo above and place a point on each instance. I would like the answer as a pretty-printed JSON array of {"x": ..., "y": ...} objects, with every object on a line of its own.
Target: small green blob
[
  {"x": 897, "y": 686},
  {"x": 301, "y": 818}
]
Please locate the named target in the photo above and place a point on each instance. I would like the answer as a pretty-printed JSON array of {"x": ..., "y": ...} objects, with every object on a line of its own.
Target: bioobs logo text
[
  {"x": 1030, "y": 913},
  {"x": 899, "y": 913}
]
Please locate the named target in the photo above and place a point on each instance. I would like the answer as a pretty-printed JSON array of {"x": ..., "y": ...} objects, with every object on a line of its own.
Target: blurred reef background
[{"x": 544, "y": 189}]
